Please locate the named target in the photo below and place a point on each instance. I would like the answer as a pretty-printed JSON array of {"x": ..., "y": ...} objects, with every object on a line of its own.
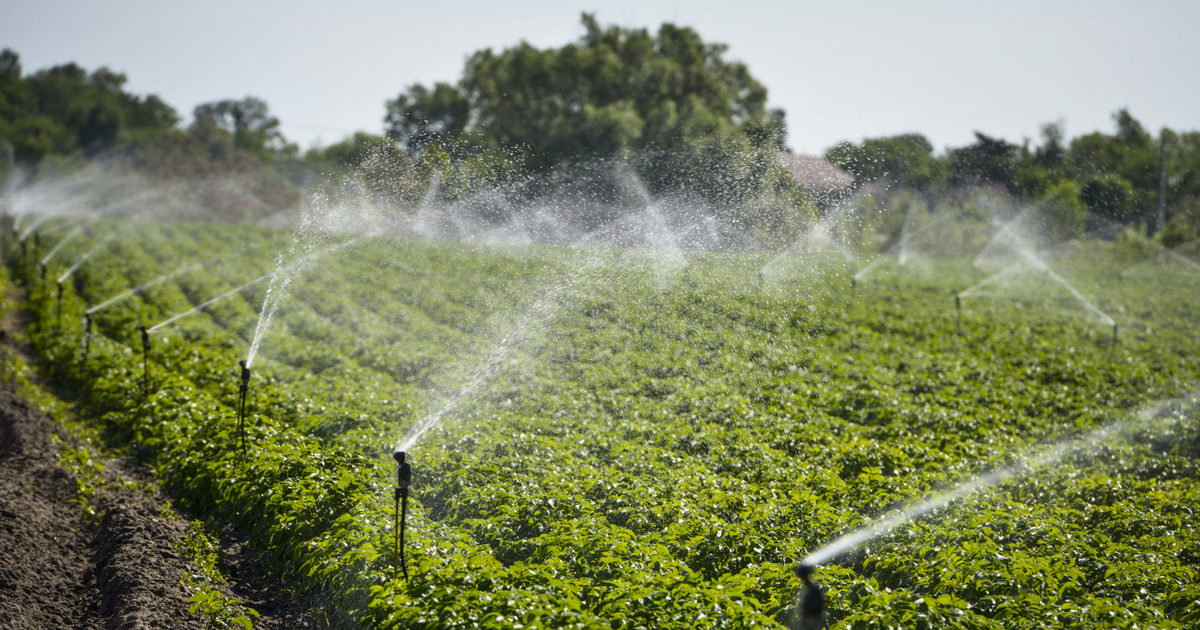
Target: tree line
[
  {"x": 664, "y": 106},
  {"x": 1094, "y": 182}
]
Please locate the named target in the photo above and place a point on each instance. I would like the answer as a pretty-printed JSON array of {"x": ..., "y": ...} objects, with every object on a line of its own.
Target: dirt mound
[{"x": 54, "y": 572}]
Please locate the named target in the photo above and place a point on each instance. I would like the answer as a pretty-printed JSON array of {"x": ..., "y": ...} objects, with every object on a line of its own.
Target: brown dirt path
[
  {"x": 55, "y": 571},
  {"x": 58, "y": 571}
]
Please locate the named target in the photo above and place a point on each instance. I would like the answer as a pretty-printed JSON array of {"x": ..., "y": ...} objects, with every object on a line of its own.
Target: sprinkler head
[
  {"x": 145, "y": 336},
  {"x": 803, "y": 570},
  {"x": 87, "y": 322},
  {"x": 245, "y": 373},
  {"x": 403, "y": 471}
]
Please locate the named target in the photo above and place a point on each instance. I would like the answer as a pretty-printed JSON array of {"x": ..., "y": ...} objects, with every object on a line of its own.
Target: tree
[
  {"x": 907, "y": 160},
  {"x": 248, "y": 121},
  {"x": 1062, "y": 213},
  {"x": 987, "y": 161},
  {"x": 1109, "y": 196},
  {"x": 1051, "y": 154},
  {"x": 615, "y": 92},
  {"x": 422, "y": 115},
  {"x": 65, "y": 108}
]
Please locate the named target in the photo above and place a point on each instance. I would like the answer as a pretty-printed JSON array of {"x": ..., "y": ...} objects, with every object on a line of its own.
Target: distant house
[{"x": 817, "y": 175}]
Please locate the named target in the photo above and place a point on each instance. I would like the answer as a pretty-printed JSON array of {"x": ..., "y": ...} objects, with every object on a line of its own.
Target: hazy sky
[{"x": 841, "y": 70}]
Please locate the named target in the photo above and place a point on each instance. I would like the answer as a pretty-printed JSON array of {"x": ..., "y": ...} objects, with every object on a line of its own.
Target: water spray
[
  {"x": 142, "y": 287},
  {"x": 145, "y": 361},
  {"x": 403, "y": 482},
  {"x": 243, "y": 389},
  {"x": 1052, "y": 453}
]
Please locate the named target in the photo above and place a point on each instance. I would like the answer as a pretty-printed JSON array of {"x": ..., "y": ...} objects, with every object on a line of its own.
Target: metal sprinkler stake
[
  {"x": 87, "y": 337},
  {"x": 403, "y": 481},
  {"x": 243, "y": 389},
  {"x": 811, "y": 610},
  {"x": 145, "y": 361}
]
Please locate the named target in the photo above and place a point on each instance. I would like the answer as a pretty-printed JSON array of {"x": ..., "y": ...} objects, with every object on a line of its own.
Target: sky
[{"x": 842, "y": 70}]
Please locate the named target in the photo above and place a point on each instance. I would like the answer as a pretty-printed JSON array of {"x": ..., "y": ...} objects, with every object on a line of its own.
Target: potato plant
[{"x": 622, "y": 449}]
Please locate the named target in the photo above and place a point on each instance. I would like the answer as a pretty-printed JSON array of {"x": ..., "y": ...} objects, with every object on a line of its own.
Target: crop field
[{"x": 606, "y": 437}]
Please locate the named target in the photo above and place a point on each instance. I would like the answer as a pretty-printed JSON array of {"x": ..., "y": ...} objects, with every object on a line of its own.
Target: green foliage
[
  {"x": 206, "y": 598},
  {"x": 245, "y": 124},
  {"x": 1062, "y": 214},
  {"x": 1176, "y": 232},
  {"x": 694, "y": 120},
  {"x": 88, "y": 474},
  {"x": 649, "y": 451},
  {"x": 1109, "y": 197},
  {"x": 65, "y": 107},
  {"x": 421, "y": 116},
  {"x": 987, "y": 161},
  {"x": 906, "y": 160}
]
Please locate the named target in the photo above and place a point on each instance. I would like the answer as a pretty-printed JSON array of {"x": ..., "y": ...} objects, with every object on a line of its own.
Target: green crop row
[{"x": 622, "y": 446}]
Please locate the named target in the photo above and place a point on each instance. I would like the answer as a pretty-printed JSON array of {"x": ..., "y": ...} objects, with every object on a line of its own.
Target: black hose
[
  {"x": 396, "y": 536},
  {"x": 87, "y": 338},
  {"x": 145, "y": 362},
  {"x": 243, "y": 390},
  {"x": 403, "y": 517},
  {"x": 400, "y": 515}
]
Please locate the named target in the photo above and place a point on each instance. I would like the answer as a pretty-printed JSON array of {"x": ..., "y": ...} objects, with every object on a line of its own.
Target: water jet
[
  {"x": 1083, "y": 444},
  {"x": 206, "y": 303},
  {"x": 142, "y": 287}
]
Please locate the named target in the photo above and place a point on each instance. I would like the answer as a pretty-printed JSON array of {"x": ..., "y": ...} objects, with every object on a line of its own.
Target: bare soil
[{"x": 59, "y": 571}]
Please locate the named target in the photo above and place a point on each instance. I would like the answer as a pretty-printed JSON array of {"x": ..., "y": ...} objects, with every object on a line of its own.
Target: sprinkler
[
  {"x": 87, "y": 337},
  {"x": 958, "y": 313},
  {"x": 243, "y": 389},
  {"x": 58, "y": 308},
  {"x": 811, "y": 611},
  {"x": 145, "y": 361},
  {"x": 1114, "y": 333},
  {"x": 43, "y": 266},
  {"x": 403, "y": 481}
]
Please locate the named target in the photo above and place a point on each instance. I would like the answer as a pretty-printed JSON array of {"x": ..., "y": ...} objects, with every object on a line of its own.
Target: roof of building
[{"x": 816, "y": 173}]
